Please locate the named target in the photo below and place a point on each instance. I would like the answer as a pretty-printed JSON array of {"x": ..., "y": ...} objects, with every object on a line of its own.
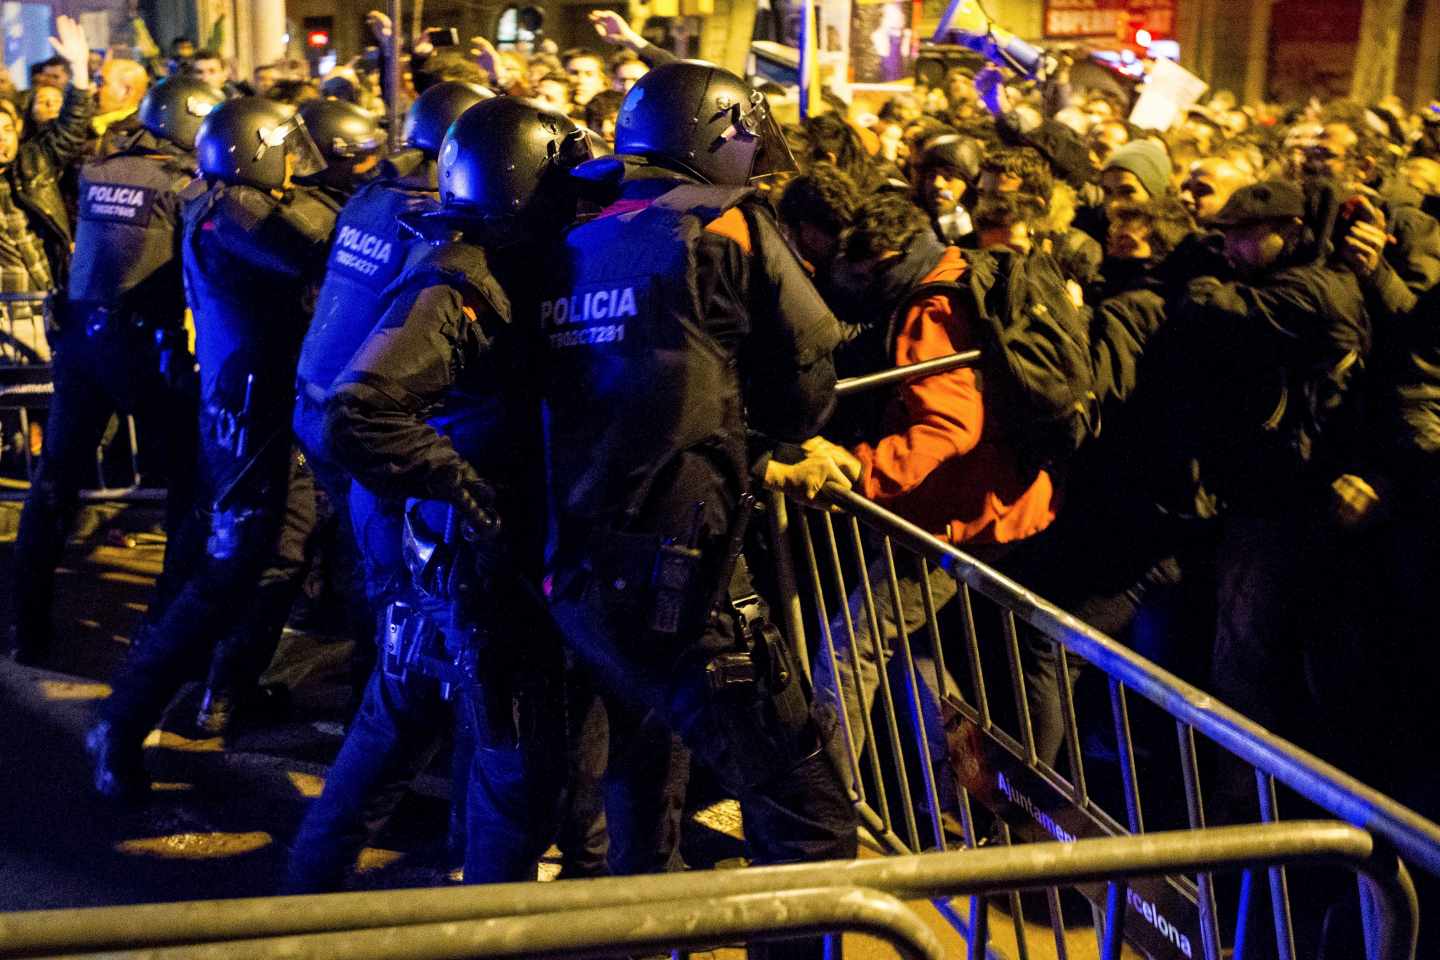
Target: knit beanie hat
[{"x": 1148, "y": 161}]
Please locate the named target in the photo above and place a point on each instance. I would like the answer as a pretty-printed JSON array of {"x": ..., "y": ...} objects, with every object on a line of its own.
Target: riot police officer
[
  {"x": 352, "y": 146},
  {"x": 351, "y": 142},
  {"x": 676, "y": 324},
  {"x": 121, "y": 346},
  {"x": 253, "y": 248},
  {"x": 434, "y": 395},
  {"x": 370, "y": 250}
]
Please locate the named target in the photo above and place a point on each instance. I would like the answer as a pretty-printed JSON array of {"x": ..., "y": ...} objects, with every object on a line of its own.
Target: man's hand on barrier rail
[
  {"x": 805, "y": 480},
  {"x": 843, "y": 458},
  {"x": 1357, "y": 504}
]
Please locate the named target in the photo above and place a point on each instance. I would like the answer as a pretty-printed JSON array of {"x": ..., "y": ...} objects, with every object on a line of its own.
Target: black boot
[
  {"x": 266, "y": 704},
  {"x": 217, "y": 709},
  {"x": 119, "y": 765}
]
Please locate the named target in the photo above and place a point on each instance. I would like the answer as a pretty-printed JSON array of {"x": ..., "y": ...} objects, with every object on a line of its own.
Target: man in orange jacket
[{"x": 929, "y": 452}]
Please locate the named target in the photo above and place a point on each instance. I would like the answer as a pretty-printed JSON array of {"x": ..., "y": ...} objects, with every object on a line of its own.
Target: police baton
[{"x": 883, "y": 378}]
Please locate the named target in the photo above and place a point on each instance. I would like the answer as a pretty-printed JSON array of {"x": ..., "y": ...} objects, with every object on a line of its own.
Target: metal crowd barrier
[
  {"x": 26, "y": 385},
  {"x": 944, "y": 749},
  {"x": 602, "y": 917}
]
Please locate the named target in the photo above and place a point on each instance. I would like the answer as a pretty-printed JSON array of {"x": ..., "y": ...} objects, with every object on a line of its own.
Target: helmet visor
[
  {"x": 772, "y": 152},
  {"x": 292, "y": 137}
]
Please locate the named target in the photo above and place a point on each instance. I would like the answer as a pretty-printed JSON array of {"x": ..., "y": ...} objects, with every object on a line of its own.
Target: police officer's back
[
  {"x": 253, "y": 247},
  {"x": 121, "y": 345},
  {"x": 678, "y": 324},
  {"x": 433, "y": 405}
]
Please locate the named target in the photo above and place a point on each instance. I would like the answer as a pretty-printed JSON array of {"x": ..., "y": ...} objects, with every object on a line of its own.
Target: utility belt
[
  {"x": 660, "y": 580},
  {"x": 109, "y": 319},
  {"x": 102, "y": 321}
]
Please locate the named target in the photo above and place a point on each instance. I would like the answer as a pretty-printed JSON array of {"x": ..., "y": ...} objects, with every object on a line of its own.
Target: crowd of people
[{"x": 1207, "y": 397}]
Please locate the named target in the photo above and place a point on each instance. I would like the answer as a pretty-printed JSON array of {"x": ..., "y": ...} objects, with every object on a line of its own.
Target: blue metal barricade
[{"x": 943, "y": 750}]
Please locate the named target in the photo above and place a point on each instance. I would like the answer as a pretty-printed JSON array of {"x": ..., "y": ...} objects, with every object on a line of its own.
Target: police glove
[{"x": 476, "y": 502}]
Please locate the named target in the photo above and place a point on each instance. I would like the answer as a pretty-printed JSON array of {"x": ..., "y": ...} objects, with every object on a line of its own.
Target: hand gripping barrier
[
  {"x": 580, "y": 918},
  {"x": 936, "y": 762}
]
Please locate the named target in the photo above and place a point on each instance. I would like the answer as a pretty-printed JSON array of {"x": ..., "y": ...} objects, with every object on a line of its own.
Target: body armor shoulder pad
[
  {"x": 193, "y": 191},
  {"x": 311, "y": 212},
  {"x": 460, "y": 265},
  {"x": 703, "y": 200},
  {"x": 246, "y": 206}
]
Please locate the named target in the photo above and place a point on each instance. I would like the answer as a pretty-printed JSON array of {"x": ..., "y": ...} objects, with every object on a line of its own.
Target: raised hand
[{"x": 72, "y": 45}]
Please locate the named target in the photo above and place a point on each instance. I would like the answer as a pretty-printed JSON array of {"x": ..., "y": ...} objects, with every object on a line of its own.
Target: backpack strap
[{"x": 949, "y": 289}]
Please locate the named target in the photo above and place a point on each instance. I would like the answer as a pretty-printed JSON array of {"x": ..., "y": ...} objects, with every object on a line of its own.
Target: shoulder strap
[
  {"x": 949, "y": 289},
  {"x": 461, "y": 265},
  {"x": 702, "y": 200}
]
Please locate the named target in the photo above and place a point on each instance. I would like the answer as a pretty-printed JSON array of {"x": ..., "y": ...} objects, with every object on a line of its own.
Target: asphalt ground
[{"x": 222, "y": 813}]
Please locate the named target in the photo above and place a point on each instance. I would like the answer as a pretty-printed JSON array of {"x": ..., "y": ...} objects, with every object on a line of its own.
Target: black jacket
[
  {"x": 1402, "y": 297},
  {"x": 1264, "y": 381},
  {"x": 35, "y": 176},
  {"x": 440, "y": 391}
]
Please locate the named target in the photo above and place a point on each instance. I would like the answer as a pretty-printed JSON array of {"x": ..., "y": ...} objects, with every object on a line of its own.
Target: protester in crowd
[
  {"x": 816, "y": 209},
  {"x": 586, "y": 70},
  {"x": 555, "y": 91},
  {"x": 208, "y": 67},
  {"x": 38, "y": 230},
  {"x": 45, "y": 103},
  {"x": 624, "y": 68},
  {"x": 53, "y": 72},
  {"x": 1136, "y": 172},
  {"x": 944, "y": 173},
  {"x": 601, "y": 112},
  {"x": 1209, "y": 184},
  {"x": 266, "y": 75}
]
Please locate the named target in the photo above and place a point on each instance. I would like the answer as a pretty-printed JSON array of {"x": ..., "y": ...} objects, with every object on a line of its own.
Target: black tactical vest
[
  {"x": 250, "y": 262},
  {"x": 127, "y": 238},
  {"x": 633, "y": 382},
  {"x": 369, "y": 251}
]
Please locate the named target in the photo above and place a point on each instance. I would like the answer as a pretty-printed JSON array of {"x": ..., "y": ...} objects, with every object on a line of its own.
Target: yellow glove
[
  {"x": 1355, "y": 501},
  {"x": 804, "y": 480},
  {"x": 843, "y": 458}
]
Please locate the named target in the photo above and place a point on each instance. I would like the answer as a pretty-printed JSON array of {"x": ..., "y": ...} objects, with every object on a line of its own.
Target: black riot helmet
[
  {"x": 435, "y": 109},
  {"x": 504, "y": 170},
  {"x": 702, "y": 120},
  {"x": 347, "y": 136},
  {"x": 256, "y": 142},
  {"x": 176, "y": 106}
]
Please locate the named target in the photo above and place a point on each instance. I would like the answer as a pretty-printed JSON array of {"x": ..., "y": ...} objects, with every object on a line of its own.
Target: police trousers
[
  {"x": 101, "y": 369},
  {"x": 793, "y": 801},
  {"x": 245, "y": 489},
  {"x": 513, "y": 795}
]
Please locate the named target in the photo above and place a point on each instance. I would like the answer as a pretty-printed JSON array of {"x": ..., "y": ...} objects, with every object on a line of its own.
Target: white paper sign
[{"x": 1169, "y": 89}]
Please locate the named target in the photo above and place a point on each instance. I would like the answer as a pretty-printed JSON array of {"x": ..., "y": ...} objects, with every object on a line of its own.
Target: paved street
[{"x": 222, "y": 815}]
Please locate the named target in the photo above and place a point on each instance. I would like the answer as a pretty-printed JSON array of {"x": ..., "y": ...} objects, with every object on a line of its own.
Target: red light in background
[{"x": 318, "y": 38}]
